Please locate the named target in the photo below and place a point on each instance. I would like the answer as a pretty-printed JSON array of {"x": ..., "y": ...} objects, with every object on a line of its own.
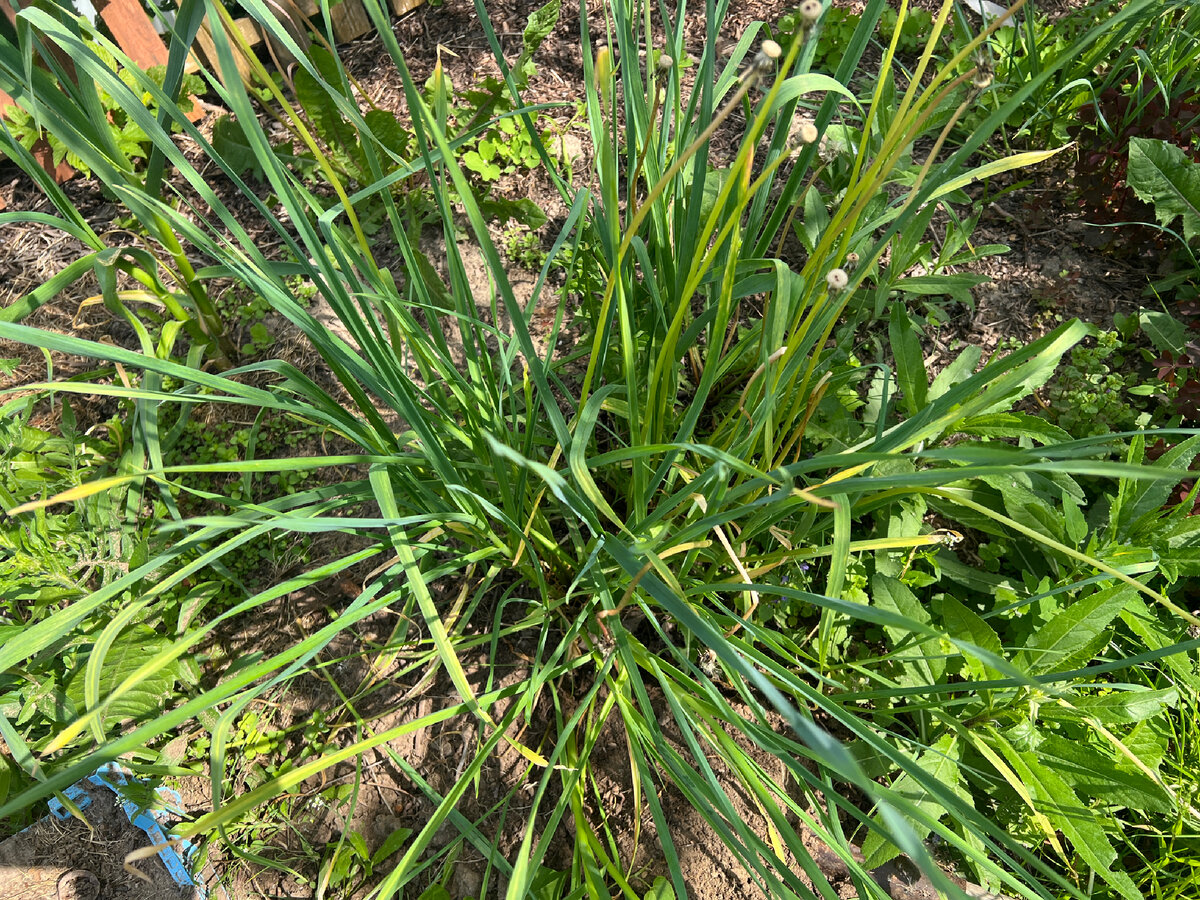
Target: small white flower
[
  {"x": 764, "y": 61},
  {"x": 803, "y": 132},
  {"x": 810, "y": 11}
]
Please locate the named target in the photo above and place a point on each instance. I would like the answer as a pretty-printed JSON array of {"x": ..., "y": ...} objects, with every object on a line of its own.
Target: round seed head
[
  {"x": 771, "y": 50},
  {"x": 851, "y": 261},
  {"x": 807, "y": 133},
  {"x": 665, "y": 62},
  {"x": 810, "y": 11},
  {"x": 837, "y": 279}
]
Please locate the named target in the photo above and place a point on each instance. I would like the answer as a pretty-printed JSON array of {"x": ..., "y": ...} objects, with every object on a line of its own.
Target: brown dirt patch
[{"x": 99, "y": 845}]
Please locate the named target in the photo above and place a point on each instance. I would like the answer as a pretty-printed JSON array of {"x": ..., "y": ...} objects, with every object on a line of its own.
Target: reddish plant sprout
[
  {"x": 1183, "y": 490},
  {"x": 1187, "y": 401},
  {"x": 1189, "y": 311},
  {"x": 1167, "y": 366},
  {"x": 1103, "y": 160}
]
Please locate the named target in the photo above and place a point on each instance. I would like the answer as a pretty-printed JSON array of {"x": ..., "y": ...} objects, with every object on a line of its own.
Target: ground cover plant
[{"x": 940, "y": 618}]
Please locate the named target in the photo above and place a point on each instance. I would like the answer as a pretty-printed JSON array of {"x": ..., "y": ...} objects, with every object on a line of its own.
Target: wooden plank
[
  {"x": 400, "y": 7},
  {"x": 349, "y": 17},
  {"x": 5, "y": 100},
  {"x": 294, "y": 18},
  {"x": 45, "y": 156},
  {"x": 204, "y": 40},
  {"x": 135, "y": 34},
  {"x": 350, "y": 20},
  {"x": 61, "y": 56},
  {"x": 132, "y": 30}
]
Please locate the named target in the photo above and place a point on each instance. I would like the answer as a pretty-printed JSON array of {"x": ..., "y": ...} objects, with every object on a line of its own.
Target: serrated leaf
[
  {"x": 391, "y": 844},
  {"x": 922, "y": 665},
  {"x": 1126, "y": 706},
  {"x": 1025, "y": 506},
  {"x": 388, "y": 130},
  {"x": 524, "y": 211},
  {"x": 1144, "y": 622},
  {"x": 1073, "y": 636},
  {"x": 231, "y": 145},
  {"x": 960, "y": 369},
  {"x": 1013, "y": 425},
  {"x": 1144, "y": 499},
  {"x": 537, "y": 28},
  {"x": 322, "y": 111},
  {"x": 1162, "y": 174},
  {"x": 1145, "y": 743},
  {"x": 967, "y": 624},
  {"x": 910, "y": 362},
  {"x": 1062, "y": 806},
  {"x": 134, "y": 648},
  {"x": 940, "y": 763}
]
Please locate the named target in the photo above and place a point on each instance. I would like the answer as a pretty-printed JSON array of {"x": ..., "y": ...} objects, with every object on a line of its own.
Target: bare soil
[{"x": 100, "y": 844}]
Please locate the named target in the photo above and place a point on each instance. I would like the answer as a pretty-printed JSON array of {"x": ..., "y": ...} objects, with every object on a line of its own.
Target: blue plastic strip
[{"x": 113, "y": 776}]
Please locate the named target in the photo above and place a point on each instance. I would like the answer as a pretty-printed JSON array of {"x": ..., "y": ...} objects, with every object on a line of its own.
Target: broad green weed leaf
[
  {"x": 967, "y": 624},
  {"x": 960, "y": 369},
  {"x": 815, "y": 221},
  {"x": 995, "y": 167},
  {"x": 1146, "y": 743},
  {"x": 910, "y": 362},
  {"x": 391, "y": 844},
  {"x": 1074, "y": 635},
  {"x": 1073, "y": 521},
  {"x": 1026, "y": 506},
  {"x": 1014, "y": 425},
  {"x": 1166, "y": 333},
  {"x": 1144, "y": 499},
  {"x": 137, "y": 646},
  {"x": 388, "y": 130},
  {"x": 538, "y": 27},
  {"x": 524, "y": 211},
  {"x": 956, "y": 287},
  {"x": 1163, "y": 175},
  {"x": 923, "y": 663},
  {"x": 335, "y": 131},
  {"x": 714, "y": 182},
  {"x": 1121, "y": 706},
  {"x": 435, "y": 892},
  {"x": 1056, "y": 800},
  {"x": 549, "y": 884},
  {"x": 475, "y": 161},
  {"x": 1145, "y": 623},
  {"x": 939, "y": 762}
]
